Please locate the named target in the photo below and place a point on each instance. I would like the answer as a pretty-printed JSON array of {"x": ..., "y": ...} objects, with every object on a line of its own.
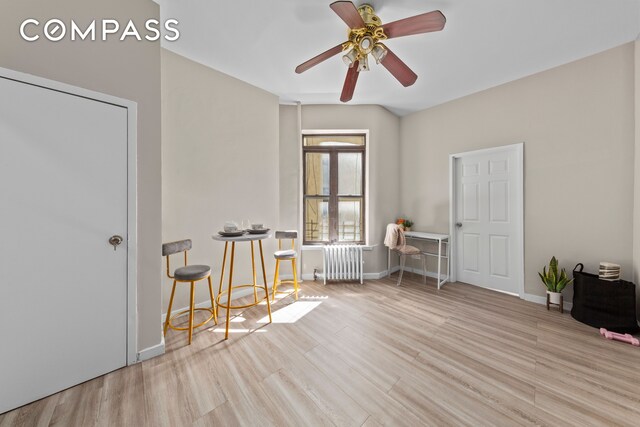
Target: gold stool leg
[
  {"x": 295, "y": 277},
  {"x": 264, "y": 277},
  {"x": 253, "y": 268},
  {"x": 166, "y": 322},
  {"x": 233, "y": 253},
  {"x": 191, "y": 306},
  {"x": 275, "y": 280},
  {"x": 213, "y": 304}
]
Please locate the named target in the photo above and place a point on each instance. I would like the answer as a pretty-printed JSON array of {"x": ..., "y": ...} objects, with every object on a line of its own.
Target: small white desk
[{"x": 442, "y": 239}]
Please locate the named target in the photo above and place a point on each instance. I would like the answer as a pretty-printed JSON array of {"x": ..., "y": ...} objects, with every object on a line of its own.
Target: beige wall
[
  {"x": 636, "y": 209},
  {"x": 219, "y": 163},
  {"x": 290, "y": 153},
  {"x": 384, "y": 169},
  {"x": 128, "y": 69},
  {"x": 577, "y": 125}
]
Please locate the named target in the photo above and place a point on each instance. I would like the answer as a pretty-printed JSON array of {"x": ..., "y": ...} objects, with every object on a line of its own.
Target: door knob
[
  {"x": 115, "y": 241},
  {"x": 458, "y": 224}
]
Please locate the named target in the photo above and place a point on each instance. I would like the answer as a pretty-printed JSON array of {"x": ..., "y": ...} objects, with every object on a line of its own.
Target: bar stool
[
  {"x": 285, "y": 255},
  {"x": 191, "y": 274}
]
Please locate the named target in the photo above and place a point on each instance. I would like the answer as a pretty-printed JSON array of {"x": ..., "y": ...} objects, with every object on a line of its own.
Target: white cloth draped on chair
[{"x": 396, "y": 241}]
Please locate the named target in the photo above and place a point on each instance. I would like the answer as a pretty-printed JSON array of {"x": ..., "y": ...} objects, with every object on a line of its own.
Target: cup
[
  {"x": 230, "y": 226},
  {"x": 256, "y": 226}
]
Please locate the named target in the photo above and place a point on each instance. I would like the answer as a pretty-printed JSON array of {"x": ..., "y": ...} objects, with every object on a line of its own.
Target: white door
[
  {"x": 488, "y": 217},
  {"x": 63, "y": 194}
]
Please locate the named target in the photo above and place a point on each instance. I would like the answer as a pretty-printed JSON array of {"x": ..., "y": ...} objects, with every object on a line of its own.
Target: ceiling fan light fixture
[
  {"x": 379, "y": 52},
  {"x": 363, "y": 65},
  {"x": 350, "y": 57},
  {"x": 366, "y": 44}
]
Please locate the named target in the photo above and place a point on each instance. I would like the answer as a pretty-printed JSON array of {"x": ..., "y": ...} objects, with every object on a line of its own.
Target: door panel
[
  {"x": 499, "y": 250},
  {"x": 470, "y": 259},
  {"x": 470, "y": 201},
  {"x": 489, "y": 250},
  {"x": 499, "y": 201},
  {"x": 63, "y": 186}
]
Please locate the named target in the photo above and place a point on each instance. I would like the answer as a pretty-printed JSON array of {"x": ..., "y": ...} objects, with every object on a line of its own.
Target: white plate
[
  {"x": 236, "y": 233},
  {"x": 258, "y": 231}
]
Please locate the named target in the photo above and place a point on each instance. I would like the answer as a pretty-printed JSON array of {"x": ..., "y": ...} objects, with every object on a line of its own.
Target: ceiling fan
[{"x": 365, "y": 36}]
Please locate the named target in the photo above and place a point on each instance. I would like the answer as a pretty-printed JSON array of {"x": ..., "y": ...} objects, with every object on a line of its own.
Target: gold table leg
[
  {"x": 233, "y": 252},
  {"x": 264, "y": 277},
  {"x": 224, "y": 261},
  {"x": 275, "y": 280},
  {"x": 253, "y": 268}
]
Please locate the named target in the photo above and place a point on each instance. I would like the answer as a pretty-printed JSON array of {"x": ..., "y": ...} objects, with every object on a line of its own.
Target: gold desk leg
[
  {"x": 233, "y": 253},
  {"x": 213, "y": 304},
  {"x": 264, "y": 277},
  {"x": 253, "y": 268},
  {"x": 168, "y": 319},
  {"x": 193, "y": 296}
]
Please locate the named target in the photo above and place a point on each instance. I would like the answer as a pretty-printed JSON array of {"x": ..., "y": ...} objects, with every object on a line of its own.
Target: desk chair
[
  {"x": 187, "y": 274},
  {"x": 285, "y": 255},
  {"x": 396, "y": 241}
]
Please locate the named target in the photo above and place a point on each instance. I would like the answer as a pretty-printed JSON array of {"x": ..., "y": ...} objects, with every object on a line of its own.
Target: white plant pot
[{"x": 554, "y": 297}]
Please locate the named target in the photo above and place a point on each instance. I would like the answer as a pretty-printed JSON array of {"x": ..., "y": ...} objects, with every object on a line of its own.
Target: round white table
[{"x": 247, "y": 237}]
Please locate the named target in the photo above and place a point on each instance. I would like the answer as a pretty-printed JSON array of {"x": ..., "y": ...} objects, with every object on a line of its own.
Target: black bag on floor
[{"x": 604, "y": 304}]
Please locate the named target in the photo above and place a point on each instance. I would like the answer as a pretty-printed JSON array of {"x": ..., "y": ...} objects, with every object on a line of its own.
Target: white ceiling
[{"x": 484, "y": 44}]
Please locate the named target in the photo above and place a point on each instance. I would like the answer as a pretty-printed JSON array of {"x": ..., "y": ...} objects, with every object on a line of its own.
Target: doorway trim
[
  {"x": 132, "y": 211},
  {"x": 519, "y": 150}
]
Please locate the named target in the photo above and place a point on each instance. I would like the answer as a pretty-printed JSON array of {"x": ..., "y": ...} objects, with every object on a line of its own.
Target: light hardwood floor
[{"x": 369, "y": 355}]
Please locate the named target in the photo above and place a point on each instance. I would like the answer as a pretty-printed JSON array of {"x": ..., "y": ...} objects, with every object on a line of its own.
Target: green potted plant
[
  {"x": 408, "y": 224},
  {"x": 554, "y": 281}
]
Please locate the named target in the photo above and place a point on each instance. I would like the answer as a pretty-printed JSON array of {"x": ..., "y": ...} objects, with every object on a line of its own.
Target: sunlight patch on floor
[{"x": 292, "y": 312}]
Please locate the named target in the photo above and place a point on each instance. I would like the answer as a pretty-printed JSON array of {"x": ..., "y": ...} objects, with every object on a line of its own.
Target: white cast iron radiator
[{"x": 342, "y": 262}]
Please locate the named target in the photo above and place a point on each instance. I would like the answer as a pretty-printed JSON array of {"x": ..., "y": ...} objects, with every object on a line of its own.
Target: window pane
[
  {"x": 333, "y": 140},
  {"x": 350, "y": 219},
  {"x": 350, "y": 174},
  {"x": 316, "y": 224},
  {"x": 317, "y": 169}
]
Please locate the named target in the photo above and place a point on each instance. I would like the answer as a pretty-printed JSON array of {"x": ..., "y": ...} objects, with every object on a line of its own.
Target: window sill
[{"x": 319, "y": 247}]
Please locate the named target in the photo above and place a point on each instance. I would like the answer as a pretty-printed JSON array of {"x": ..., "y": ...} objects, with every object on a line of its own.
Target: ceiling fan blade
[
  {"x": 348, "y": 12},
  {"x": 350, "y": 83},
  {"x": 425, "y": 23},
  {"x": 399, "y": 69},
  {"x": 319, "y": 58}
]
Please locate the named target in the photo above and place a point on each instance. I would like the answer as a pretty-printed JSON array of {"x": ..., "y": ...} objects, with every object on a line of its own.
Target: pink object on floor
[{"x": 619, "y": 337}]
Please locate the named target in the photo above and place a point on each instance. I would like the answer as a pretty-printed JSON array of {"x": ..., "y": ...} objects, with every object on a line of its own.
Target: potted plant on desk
[
  {"x": 408, "y": 224},
  {"x": 555, "y": 283}
]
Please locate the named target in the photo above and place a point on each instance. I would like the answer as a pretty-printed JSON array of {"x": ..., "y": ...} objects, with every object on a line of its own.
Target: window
[{"x": 334, "y": 188}]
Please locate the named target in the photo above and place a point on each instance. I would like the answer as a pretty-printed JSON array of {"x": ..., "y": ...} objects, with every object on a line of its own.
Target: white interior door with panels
[
  {"x": 67, "y": 306},
  {"x": 487, "y": 218}
]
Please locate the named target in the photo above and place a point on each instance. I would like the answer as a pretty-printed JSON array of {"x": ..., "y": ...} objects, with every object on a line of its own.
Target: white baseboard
[
  {"x": 543, "y": 300},
  {"x": 378, "y": 275},
  {"x": 151, "y": 352}
]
